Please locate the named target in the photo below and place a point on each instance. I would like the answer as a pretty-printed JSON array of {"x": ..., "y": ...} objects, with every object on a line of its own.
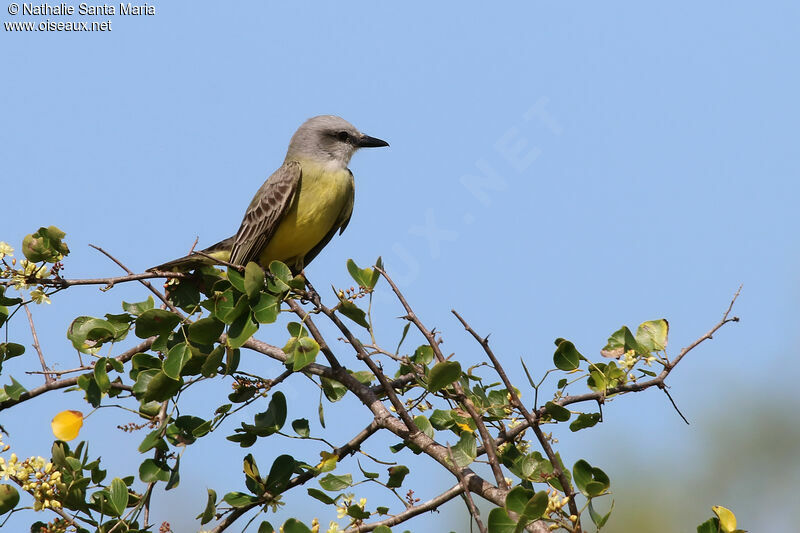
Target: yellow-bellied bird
[{"x": 301, "y": 205}]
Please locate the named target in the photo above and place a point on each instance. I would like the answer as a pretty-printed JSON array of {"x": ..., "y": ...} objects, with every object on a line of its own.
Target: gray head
[{"x": 329, "y": 139}]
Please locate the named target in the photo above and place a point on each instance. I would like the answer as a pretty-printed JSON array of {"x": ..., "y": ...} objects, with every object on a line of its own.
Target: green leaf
[
  {"x": 333, "y": 390},
  {"x": 151, "y": 471},
  {"x": 598, "y": 519},
  {"x": 355, "y": 511},
  {"x": 280, "y": 271},
  {"x": 321, "y": 496},
  {"x": 236, "y": 279},
  {"x": 101, "y": 376},
  {"x": 45, "y": 245},
  {"x": 153, "y": 440},
  {"x": 500, "y": 522},
  {"x": 353, "y": 312},
  {"x": 423, "y": 355},
  {"x": 396, "y": 475},
  {"x": 620, "y": 342},
  {"x": 300, "y": 426},
  {"x": 176, "y": 358},
  {"x": 88, "y": 334},
  {"x": 273, "y": 419},
  {"x": 557, "y": 412},
  {"x": 424, "y": 425},
  {"x": 566, "y": 356},
  {"x": 213, "y": 361},
  {"x": 584, "y": 420},
  {"x": 443, "y": 374},
  {"x": 517, "y": 498},
  {"x": 14, "y": 390},
  {"x": 155, "y": 322},
  {"x": 227, "y": 307},
  {"x": 206, "y": 330},
  {"x": 254, "y": 279},
  {"x": 366, "y": 277},
  {"x": 442, "y": 419},
  {"x": 382, "y": 529},
  {"x": 239, "y": 499},
  {"x": 534, "y": 510},
  {"x": 10, "y": 349},
  {"x": 138, "y": 308},
  {"x": 241, "y": 330},
  {"x": 266, "y": 527},
  {"x": 294, "y": 526},
  {"x": 590, "y": 480},
  {"x": 121, "y": 324},
  {"x": 280, "y": 473},
  {"x": 266, "y": 309},
  {"x": 9, "y": 498},
  {"x": 118, "y": 496},
  {"x": 465, "y": 451},
  {"x": 652, "y": 335},
  {"x": 301, "y": 352},
  {"x": 211, "y": 508},
  {"x": 596, "y": 380},
  {"x": 333, "y": 482},
  {"x": 709, "y": 526},
  {"x": 161, "y": 387},
  {"x": 5, "y": 300}
]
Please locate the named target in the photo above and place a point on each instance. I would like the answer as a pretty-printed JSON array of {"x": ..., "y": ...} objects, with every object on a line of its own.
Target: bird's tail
[{"x": 221, "y": 251}]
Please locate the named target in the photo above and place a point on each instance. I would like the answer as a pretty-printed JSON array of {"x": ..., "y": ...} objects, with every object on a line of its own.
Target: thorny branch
[{"x": 401, "y": 422}]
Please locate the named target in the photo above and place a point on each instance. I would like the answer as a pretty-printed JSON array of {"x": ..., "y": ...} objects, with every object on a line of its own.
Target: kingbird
[{"x": 301, "y": 206}]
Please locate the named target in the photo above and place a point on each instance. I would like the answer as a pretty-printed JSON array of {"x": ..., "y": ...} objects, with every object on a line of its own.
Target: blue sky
[{"x": 632, "y": 161}]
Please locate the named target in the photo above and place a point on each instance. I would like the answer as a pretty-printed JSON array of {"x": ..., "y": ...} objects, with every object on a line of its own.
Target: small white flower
[
  {"x": 5, "y": 249},
  {"x": 39, "y": 296}
]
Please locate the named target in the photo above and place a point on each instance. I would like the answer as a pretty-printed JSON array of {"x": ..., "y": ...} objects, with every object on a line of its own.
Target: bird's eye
[{"x": 342, "y": 136}]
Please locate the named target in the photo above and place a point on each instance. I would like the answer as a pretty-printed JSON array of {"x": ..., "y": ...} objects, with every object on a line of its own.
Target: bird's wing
[
  {"x": 265, "y": 212},
  {"x": 341, "y": 223}
]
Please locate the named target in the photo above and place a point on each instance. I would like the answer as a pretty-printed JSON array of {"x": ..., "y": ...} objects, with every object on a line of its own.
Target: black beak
[{"x": 370, "y": 142}]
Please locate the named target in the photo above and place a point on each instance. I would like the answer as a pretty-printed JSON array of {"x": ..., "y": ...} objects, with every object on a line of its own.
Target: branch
[
  {"x": 658, "y": 381},
  {"x": 47, "y": 377},
  {"x": 467, "y": 498},
  {"x": 383, "y": 417},
  {"x": 533, "y": 421},
  {"x": 491, "y": 451},
  {"x": 347, "y": 449},
  {"x": 364, "y": 356},
  {"x": 69, "y": 382},
  {"x": 147, "y": 284},
  {"x": 62, "y": 283},
  {"x": 411, "y": 512}
]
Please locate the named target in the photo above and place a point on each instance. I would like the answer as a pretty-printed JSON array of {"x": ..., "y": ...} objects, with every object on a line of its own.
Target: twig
[
  {"x": 323, "y": 346},
  {"x": 146, "y": 283},
  {"x": 69, "y": 382},
  {"x": 364, "y": 356},
  {"x": 368, "y": 397},
  {"x": 108, "y": 282},
  {"x": 473, "y": 511},
  {"x": 411, "y": 512},
  {"x": 657, "y": 381},
  {"x": 491, "y": 451},
  {"x": 348, "y": 448},
  {"x": 664, "y": 388},
  {"x": 238, "y": 268},
  {"x": 47, "y": 377},
  {"x": 532, "y": 420}
]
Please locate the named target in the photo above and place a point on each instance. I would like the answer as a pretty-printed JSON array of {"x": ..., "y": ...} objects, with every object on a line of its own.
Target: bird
[{"x": 300, "y": 207}]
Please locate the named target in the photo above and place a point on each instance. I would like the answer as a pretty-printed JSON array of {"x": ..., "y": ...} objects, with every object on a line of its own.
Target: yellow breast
[{"x": 321, "y": 197}]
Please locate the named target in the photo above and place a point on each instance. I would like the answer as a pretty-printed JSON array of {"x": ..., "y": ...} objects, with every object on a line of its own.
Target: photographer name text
[{"x": 83, "y": 9}]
